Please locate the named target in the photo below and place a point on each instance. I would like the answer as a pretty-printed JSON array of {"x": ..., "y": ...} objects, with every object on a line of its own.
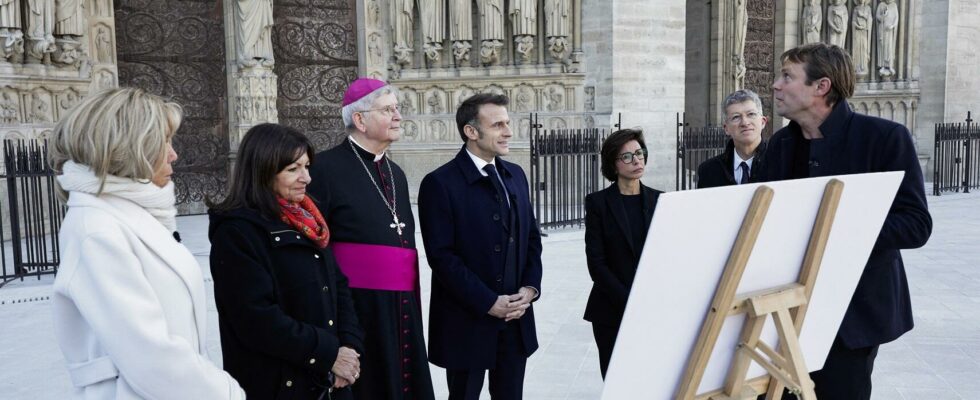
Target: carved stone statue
[
  {"x": 433, "y": 27},
  {"x": 861, "y": 36},
  {"x": 402, "y": 17},
  {"x": 887, "y": 21},
  {"x": 524, "y": 17},
  {"x": 11, "y": 37},
  {"x": 740, "y": 23},
  {"x": 103, "y": 45},
  {"x": 8, "y": 109},
  {"x": 40, "y": 29},
  {"x": 491, "y": 30},
  {"x": 69, "y": 17},
  {"x": 837, "y": 22},
  {"x": 812, "y": 19},
  {"x": 461, "y": 29},
  {"x": 255, "y": 33},
  {"x": 556, "y": 18},
  {"x": 68, "y": 52},
  {"x": 10, "y": 14},
  {"x": 40, "y": 109}
]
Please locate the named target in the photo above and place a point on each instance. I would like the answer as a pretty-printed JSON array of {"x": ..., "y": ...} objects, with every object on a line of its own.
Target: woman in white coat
[{"x": 129, "y": 299}]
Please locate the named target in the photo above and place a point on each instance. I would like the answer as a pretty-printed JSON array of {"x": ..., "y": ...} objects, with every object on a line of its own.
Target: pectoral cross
[{"x": 396, "y": 224}]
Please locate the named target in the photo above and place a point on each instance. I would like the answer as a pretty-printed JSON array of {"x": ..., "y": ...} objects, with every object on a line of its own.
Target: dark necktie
[
  {"x": 745, "y": 173},
  {"x": 497, "y": 184}
]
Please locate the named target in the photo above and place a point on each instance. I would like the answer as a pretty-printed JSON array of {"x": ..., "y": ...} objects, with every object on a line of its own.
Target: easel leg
[
  {"x": 740, "y": 365},
  {"x": 790, "y": 346}
]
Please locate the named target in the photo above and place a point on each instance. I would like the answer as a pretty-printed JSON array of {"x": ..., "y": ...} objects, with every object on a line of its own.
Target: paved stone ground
[{"x": 940, "y": 359}]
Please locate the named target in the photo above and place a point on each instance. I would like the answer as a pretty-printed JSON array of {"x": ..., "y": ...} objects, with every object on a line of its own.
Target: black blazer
[
  {"x": 880, "y": 310},
  {"x": 610, "y": 252},
  {"x": 284, "y": 307},
  {"x": 464, "y": 235},
  {"x": 718, "y": 170}
]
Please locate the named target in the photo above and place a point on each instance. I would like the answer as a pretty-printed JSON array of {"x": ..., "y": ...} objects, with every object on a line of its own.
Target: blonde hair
[{"x": 121, "y": 132}]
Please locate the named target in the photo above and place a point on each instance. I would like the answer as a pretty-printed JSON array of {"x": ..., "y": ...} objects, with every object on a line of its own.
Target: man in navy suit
[
  {"x": 484, "y": 248},
  {"x": 826, "y": 138}
]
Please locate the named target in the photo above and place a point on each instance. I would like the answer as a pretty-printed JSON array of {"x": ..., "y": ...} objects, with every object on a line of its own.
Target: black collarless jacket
[
  {"x": 718, "y": 170},
  {"x": 880, "y": 310},
  {"x": 611, "y": 255},
  {"x": 284, "y": 307}
]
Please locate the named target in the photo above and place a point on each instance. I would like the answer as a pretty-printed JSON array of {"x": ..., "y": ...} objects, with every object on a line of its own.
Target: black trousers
[
  {"x": 846, "y": 375},
  {"x": 605, "y": 340},
  {"x": 507, "y": 376}
]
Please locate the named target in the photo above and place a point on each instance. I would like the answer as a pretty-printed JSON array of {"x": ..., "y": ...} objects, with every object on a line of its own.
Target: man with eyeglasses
[
  {"x": 744, "y": 123},
  {"x": 364, "y": 195}
]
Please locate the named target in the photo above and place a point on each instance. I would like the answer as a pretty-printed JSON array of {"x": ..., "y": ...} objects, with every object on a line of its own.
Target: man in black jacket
[
  {"x": 744, "y": 122},
  {"x": 826, "y": 138}
]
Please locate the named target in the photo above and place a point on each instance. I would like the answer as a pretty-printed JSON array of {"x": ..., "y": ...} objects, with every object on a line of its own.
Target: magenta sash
[{"x": 377, "y": 267}]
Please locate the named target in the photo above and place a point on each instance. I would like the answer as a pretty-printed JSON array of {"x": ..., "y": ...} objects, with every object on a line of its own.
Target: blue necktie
[
  {"x": 497, "y": 184},
  {"x": 745, "y": 173}
]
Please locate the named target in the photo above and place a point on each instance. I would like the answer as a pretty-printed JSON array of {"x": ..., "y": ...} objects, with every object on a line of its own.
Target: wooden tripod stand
[{"x": 786, "y": 303}]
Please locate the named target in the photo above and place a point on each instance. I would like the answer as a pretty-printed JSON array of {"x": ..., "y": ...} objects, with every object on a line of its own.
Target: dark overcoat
[
  {"x": 880, "y": 310},
  {"x": 464, "y": 237},
  {"x": 719, "y": 170},
  {"x": 611, "y": 255},
  {"x": 284, "y": 307}
]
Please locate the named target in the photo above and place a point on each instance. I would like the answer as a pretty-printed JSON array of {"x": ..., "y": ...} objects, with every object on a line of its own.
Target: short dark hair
[
  {"x": 610, "y": 150},
  {"x": 264, "y": 152},
  {"x": 468, "y": 112},
  {"x": 822, "y": 60}
]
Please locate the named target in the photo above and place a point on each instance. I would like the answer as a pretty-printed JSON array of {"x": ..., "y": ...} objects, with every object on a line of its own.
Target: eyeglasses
[
  {"x": 737, "y": 118},
  {"x": 388, "y": 110},
  {"x": 627, "y": 158}
]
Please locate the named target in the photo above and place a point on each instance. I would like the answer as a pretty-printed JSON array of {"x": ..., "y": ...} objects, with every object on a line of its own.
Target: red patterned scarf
[{"x": 305, "y": 217}]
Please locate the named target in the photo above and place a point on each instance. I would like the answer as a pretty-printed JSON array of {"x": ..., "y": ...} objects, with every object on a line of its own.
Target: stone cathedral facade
[{"x": 232, "y": 64}]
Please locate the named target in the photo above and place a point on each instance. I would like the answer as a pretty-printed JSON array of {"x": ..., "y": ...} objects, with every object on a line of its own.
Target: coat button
[
  {"x": 511, "y": 239},
  {"x": 277, "y": 238},
  {"x": 500, "y": 278},
  {"x": 312, "y": 361},
  {"x": 326, "y": 289},
  {"x": 330, "y": 322},
  {"x": 297, "y": 237},
  {"x": 289, "y": 383},
  {"x": 316, "y": 256},
  {"x": 496, "y": 248},
  {"x": 496, "y": 217}
]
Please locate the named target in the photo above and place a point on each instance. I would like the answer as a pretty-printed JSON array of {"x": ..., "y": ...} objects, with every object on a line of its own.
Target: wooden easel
[{"x": 787, "y": 304}]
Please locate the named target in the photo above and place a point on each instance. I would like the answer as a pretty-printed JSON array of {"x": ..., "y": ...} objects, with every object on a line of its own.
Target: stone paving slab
[{"x": 939, "y": 359}]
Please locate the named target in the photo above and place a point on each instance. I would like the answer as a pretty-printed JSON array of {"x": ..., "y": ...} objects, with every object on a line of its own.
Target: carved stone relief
[
  {"x": 41, "y": 109},
  {"x": 435, "y": 101},
  {"x": 590, "y": 98},
  {"x": 9, "y": 106},
  {"x": 433, "y": 28},
  {"x": 524, "y": 99},
  {"x": 495, "y": 89},
  {"x": 101, "y": 8},
  {"x": 410, "y": 131},
  {"x": 406, "y": 102},
  {"x": 463, "y": 93},
  {"x": 554, "y": 97},
  {"x": 861, "y": 39},
  {"x": 812, "y": 21},
  {"x": 374, "y": 49},
  {"x": 837, "y": 19},
  {"x": 557, "y": 123},
  {"x": 439, "y": 131},
  {"x": 103, "y": 79},
  {"x": 461, "y": 30},
  {"x": 67, "y": 100},
  {"x": 39, "y": 29},
  {"x": 886, "y": 20}
]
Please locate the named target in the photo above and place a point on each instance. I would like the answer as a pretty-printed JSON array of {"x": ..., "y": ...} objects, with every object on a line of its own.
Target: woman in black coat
[
  {"x": 288, "y": 328},
  {"x": 616, "y": 223}
]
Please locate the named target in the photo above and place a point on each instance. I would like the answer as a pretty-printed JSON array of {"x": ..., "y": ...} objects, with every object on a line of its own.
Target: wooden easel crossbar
[{"x": 787, "y": 304}]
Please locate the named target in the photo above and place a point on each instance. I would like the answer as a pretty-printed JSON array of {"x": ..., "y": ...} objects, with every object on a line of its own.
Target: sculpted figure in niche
[
  {"x": 433, "y": 28},
  {"x": 40, "y": 29},
  {"x": 887, "y": 19},
  {"x": 103, "y": 45},
  {"x": 11, "y": 45},
  {"x": 740, "y": 23},
  {"x": 255, "y": 33},
  {"x": 861, "y": 36},
  {"x": 556, "y": 27},
  {"x": 435, "y": 103},
  {"x": 374, "y": 49},
  {"x": 461, "y": 29},
  {"x": 8, "y": 109},
  {"x": 491, "y": 30},
  {"x": 406, "y": 103},
  {"x": 10, "y": 33},
  {"x": 524, "y": 20},
  {"x": 374, "y": 12},
  {"x": 837, "y": 21},
  {"x": 403, "y": 18},
  {"x": 812, "y": 19},
  {"x": 40, "y": 110},
  {"x": 69, "y": 18}
]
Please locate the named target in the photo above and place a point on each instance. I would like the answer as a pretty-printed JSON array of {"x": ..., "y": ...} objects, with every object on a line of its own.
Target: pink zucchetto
[{"x": 361, "y": 87}]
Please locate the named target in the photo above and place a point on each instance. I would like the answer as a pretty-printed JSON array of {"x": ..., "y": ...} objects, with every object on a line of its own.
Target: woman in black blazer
[{"x": 616, "y": 223}]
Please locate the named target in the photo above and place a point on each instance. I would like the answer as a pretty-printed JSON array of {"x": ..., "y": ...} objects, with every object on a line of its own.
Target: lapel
[
  {"x": 139, "y": 223},
  {"x": 650, "y": 197},
  {"x": 727, "y": 159},
  {"x": 614, "y": 202},
  {"x": 472, "y": 176}
]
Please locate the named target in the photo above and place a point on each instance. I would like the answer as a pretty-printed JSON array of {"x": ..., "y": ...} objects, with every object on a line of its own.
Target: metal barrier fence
[
  {"x": 695, "y": 145},
  {"x": 564, "y": 168},
  {"x": 33, "y": 209},
  {"x": 956, "y": 157}
]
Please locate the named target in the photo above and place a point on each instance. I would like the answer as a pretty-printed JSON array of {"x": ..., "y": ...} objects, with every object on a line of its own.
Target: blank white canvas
[{"x": 686, "y": 249}]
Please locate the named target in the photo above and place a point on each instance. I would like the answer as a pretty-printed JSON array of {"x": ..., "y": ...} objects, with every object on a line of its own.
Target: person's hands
[
  {"x": 503, "y": 306},
  {"x": 520, "y": 302},
  {"x": 347, "y": 367}
]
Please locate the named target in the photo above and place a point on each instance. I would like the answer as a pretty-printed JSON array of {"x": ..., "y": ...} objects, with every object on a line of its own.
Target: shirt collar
[
  {"x": 377, "y": 157},
  {"x": 480, "y": 163},
  {"x": 737, "y": 160}
]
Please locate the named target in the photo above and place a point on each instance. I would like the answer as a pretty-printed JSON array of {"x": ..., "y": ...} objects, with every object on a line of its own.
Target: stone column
[{"x": 252, "y": 84}]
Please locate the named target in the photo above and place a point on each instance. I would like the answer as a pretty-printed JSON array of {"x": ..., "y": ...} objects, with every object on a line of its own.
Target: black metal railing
[
  {"x": 34, "y": 211},
  {"x": 956, "y": 157},
  {"x": 564, "y": 168},
  {"x": 695, "y": 145}
]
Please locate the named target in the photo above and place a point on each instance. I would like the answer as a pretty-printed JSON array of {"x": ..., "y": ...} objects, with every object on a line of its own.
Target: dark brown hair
[
  {"x": 822, "y": 60},
  {"x": 610, "y": 150},
  {"x": 264, "y": 152},
  {"x": 468, "y": 112}
]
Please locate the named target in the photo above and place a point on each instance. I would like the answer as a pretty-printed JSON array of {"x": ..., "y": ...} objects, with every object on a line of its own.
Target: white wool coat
[{"x": 129, "y": 307}]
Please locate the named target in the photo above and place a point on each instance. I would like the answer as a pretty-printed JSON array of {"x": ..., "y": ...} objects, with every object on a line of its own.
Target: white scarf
[{"x": 159, "y": 202}]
